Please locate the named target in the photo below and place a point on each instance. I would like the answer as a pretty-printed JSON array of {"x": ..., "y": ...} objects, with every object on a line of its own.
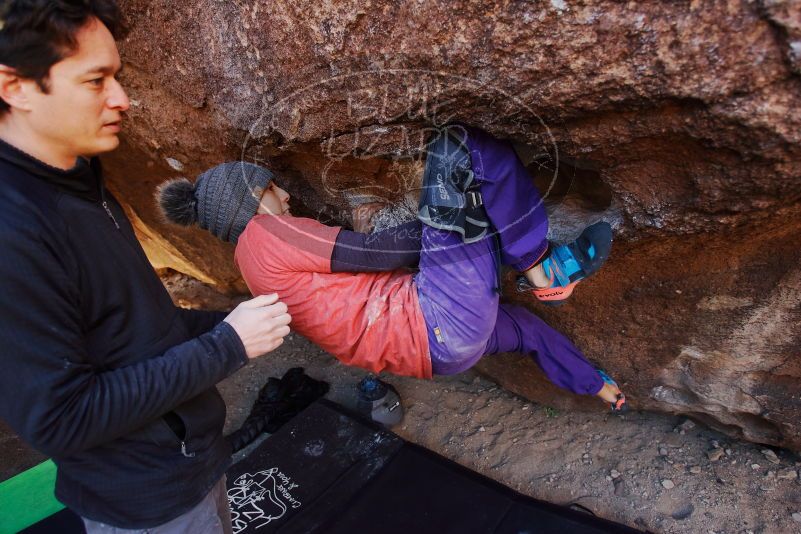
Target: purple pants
[{"x": 457, "y": 282}]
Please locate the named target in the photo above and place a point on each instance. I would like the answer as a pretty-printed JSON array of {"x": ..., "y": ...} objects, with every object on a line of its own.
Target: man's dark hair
[{"x": 36, "y": 34}]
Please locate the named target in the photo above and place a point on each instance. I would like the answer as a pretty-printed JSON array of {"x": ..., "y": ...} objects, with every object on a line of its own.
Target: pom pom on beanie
[{"x": 177, "y": 201}]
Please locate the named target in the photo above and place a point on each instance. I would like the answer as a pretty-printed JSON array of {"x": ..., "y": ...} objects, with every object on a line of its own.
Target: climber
[{"x": 347, "y": 292}]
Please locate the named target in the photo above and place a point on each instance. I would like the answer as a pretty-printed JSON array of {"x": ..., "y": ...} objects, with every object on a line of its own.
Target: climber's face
[
  {"x": 79, "y": 111},
  {"x": 274, "y": 201}
]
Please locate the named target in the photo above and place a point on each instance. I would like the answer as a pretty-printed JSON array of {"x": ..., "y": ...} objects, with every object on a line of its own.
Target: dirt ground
[{"x": 646, "y": 470}]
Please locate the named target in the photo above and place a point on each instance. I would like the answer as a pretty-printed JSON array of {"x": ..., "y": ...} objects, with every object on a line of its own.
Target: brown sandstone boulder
[{"x": 679, "y": 122}]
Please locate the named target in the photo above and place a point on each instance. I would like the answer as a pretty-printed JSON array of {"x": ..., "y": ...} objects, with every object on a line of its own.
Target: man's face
[{"x": 81, "y": 113}]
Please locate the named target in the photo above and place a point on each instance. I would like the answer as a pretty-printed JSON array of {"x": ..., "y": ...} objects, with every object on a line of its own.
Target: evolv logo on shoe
[{"x": 443, "y": 192}]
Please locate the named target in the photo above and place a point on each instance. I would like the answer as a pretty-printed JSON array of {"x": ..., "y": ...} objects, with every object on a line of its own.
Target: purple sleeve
[{"x": 386, "y": 250}]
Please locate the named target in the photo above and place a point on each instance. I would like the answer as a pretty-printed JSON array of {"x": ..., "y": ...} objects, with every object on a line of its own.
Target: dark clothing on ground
[{"x": 95, "y": 352}]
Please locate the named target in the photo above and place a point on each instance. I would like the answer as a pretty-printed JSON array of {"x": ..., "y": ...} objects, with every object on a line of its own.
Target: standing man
[{"x": 99, "y": 370}]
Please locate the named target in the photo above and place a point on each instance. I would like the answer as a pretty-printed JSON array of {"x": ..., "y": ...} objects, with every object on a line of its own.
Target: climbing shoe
[
  {"x": 567, "y": 265},
  {"x": 620, "y": 405},
  {"x": 451, "y": 197}
]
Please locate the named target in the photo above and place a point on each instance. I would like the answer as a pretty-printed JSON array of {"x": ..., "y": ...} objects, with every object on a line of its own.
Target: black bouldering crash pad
[{"x": 327, "y": 471}]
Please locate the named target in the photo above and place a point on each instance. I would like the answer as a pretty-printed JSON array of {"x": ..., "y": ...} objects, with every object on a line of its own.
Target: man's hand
[{"x": 261, "y": 323}]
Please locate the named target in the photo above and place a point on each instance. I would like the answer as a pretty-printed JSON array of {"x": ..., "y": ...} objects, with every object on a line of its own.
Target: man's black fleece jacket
[{"x": 94, "y": 353}]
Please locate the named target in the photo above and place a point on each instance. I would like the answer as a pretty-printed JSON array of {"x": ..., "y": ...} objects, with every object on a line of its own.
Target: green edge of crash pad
[{"x": 28, "y": 498}]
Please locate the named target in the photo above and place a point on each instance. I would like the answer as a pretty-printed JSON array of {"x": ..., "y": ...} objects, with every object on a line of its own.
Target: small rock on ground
[
  {"x": 687, "y": 425},
  {"x": 684, "y": 512},
  {"x": 770, "y": 455}
]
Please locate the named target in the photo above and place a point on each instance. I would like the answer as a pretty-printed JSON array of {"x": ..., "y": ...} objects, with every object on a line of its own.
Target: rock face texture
[{"x": 678, "y": 122}]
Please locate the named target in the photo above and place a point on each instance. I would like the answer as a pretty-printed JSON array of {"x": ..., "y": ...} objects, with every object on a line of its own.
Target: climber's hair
[{"x": 36, "y": 34}]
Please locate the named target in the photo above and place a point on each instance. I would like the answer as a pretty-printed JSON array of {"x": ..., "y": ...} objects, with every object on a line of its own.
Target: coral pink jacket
[{"x": 369, "y": 320}]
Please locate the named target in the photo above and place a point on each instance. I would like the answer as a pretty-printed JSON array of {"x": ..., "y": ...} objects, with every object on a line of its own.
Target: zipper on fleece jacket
[
  {"x": 105, "y": 207},
  {"x": 184, "y": 452},
  {"x": 178, "y": 428}
]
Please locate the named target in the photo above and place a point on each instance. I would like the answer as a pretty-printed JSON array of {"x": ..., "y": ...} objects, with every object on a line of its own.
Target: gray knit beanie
[{"x": 222, "y": 200}]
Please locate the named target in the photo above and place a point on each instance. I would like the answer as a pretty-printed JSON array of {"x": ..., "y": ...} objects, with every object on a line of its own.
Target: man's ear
[{"x": 12, "y": 89}]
